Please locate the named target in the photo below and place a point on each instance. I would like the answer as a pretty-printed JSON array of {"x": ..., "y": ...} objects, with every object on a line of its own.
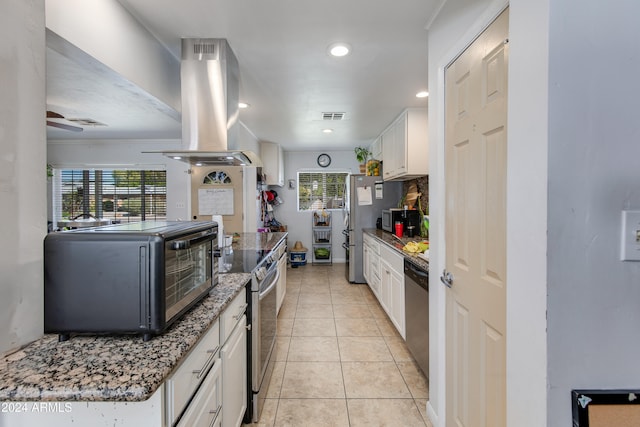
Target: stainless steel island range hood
[{"x": 210, "y": 85}]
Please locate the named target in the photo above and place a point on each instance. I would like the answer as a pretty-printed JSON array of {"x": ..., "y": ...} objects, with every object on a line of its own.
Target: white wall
[
  {"x": 22, "y": 172},
  {"x": 129, "y": 153},
  {"x": 107, "y": 32},
  {"x": 299, "y": 223},
  {"x": 594, "y": 173},
  {"x": 458, "y": 23},
  {"x": 246, "y": 139},
  {"x": 526, "y": 213}
]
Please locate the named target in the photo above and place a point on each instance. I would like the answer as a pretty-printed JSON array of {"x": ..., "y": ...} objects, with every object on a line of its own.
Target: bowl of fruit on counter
[{"x": 420, "y": 249}]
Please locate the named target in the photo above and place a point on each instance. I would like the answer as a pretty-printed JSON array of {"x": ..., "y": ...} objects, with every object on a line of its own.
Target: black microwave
[
  {"x": 408, "y": 217},
  {"x": 127, "y": 278},
  {"x": 389, "y": 218}
]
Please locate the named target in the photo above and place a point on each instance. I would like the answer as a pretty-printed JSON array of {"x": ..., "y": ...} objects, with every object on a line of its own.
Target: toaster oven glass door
[{"x": 188, "y": 270}]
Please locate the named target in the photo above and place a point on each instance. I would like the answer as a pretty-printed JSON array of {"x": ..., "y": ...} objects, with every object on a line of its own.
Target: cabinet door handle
[
  {"x": 215, "y": 413},
  {"x": 207, "y": 364},
  {"x": 241, "y": 312}
]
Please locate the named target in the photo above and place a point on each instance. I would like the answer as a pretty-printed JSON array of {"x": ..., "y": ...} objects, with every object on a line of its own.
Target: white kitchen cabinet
[
  {"x": 209, "y": 383},
  {"x": 233, "y": 335},
  {"x": 376, "y": 148},
  {"x": 234, "y": 376},
  {"x": 147, "y": 413},
  {"x": 206, "y": 407},
  {"x": 184, "y": 382},
  {"x": 272, "y": 163},
  {"x": 232, "y": 314},
  {"x": 366, "y": 259},
  {"x": 392, "y": 287},
  {"x": 281, "y": 287},
  {"x": 371, "y": 267},
  {"x": 389, "y": 152},
  {"x": 405, "y": 149}
]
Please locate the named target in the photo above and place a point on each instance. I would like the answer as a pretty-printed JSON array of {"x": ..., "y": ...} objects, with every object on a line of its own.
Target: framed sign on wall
[{"x": 606, "y": 408}]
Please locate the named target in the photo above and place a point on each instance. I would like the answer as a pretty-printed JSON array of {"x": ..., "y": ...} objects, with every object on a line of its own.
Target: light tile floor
[{"x": 339, "y": 361}]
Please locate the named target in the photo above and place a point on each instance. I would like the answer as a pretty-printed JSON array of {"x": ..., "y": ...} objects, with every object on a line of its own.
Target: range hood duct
[{"x": 210, "y": 86}]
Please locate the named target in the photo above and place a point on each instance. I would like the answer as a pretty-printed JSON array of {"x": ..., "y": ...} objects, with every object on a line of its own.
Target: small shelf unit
[{"x": 321, "y": 250}]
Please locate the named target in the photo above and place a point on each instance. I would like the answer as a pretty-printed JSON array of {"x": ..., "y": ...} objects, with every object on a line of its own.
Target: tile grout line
[{"x": 344, "y": 385}]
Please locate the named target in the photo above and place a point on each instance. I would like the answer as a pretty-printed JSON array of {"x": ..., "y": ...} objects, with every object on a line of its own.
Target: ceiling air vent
[
  {"x": 333, "y": 116},
  {"x": 204, "y": 48}
]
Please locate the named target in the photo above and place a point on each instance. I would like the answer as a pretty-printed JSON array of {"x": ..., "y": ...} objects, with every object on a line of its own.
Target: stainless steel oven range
[
  {"x": 263, "y": 308},
  {"x": 126, "y": 278},
  {"x": 262, "y": 319}
]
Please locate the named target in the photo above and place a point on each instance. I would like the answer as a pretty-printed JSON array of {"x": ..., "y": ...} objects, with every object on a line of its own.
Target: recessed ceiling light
[
  {"x": 339, "y": 49},
  {"x": 327, "y": 130},
  {"x": 243, "y": 105},
  {"x": 177, "y": 157},
  {"x": 422, "y": 94}
]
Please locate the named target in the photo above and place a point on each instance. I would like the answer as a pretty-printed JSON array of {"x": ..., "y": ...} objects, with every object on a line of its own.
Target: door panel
[
  {"x": 492, "y": 365},
  {"x": 460, "y": 363},
  {"x": 460, "y": 237},
  {"x": 475, "y": 227}
]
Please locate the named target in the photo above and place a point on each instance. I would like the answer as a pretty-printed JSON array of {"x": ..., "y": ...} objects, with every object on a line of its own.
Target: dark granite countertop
[
  {"x": 118, "y": 368},
  {"x": 110, "y": 368},
  {"x": 264, "y": 241},
  {"x": 397, "y": 244}
]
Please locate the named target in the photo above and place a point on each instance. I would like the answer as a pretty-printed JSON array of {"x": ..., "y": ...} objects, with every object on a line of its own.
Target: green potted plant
[{"x": 362, "y": 154}]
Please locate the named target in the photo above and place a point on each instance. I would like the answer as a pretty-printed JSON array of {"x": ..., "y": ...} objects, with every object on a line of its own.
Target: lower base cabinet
[
  {"x": 206, "y": 407},
  {"x": 281, "y": 289},
  {"x": 386, "y": 279},
  {"x": 234, "y": 376},
  {"x": 208, "y": 389},
  {"x": 371, "y": 261}
]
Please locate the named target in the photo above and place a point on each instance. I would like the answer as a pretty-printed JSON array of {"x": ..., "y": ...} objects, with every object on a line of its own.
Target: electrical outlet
[
  {"x": 180, "y": 205},
  {"x": 630, "y": 247}
]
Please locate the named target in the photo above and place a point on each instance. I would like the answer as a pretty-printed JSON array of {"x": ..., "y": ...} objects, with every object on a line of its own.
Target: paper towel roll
[{"x": 218, "y": 219}]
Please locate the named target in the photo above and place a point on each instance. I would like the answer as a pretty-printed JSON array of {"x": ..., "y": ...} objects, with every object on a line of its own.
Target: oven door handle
[
  {"x": 272, "y": 285},
  {"x": 178, "y": 245}
]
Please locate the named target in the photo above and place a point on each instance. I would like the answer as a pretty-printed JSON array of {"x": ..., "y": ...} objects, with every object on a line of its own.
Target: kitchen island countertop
[
  {"x": 118, "y": 368},
  {"x": 110, "y": 368},
  {"x": 261, "y": 241}
]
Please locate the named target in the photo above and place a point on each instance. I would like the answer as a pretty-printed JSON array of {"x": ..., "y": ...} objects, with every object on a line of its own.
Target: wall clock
[{"x": 324, "y": 160}]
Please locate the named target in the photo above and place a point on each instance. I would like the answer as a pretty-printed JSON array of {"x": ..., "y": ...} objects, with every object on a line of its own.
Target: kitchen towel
[{"x": 218, "y": 219}]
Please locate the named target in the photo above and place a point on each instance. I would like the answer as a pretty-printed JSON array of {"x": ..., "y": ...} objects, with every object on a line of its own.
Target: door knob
[{"x": 446, "y": 278}]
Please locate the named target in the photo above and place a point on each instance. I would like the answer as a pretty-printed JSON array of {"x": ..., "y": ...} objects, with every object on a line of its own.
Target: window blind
[
  {"x": 121, "y": 195},
  {"x": 321, "y": 190}
]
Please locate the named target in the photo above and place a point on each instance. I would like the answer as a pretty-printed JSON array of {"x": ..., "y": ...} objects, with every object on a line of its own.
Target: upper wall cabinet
[
  {"x": 405, "y": 149},
  {"x": 272, "y": 163},
  {"x": 376, "y": 148}
]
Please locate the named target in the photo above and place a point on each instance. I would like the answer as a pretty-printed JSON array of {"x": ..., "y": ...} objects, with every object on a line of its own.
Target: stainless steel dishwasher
[{"x": 416, "y": 299}]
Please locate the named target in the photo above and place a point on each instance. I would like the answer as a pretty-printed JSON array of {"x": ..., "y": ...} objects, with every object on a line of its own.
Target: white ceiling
[{"x": 286, "y": 74}]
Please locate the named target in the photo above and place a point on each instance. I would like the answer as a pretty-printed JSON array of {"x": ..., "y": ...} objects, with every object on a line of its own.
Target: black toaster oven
[{"x": 127, "y": 278}]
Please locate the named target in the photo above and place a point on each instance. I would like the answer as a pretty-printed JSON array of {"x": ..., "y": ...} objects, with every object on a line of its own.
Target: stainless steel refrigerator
[{"x": 364, "y": 208}]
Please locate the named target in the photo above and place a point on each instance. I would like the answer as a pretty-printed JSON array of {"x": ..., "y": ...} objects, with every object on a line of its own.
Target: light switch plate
[{"x": 630, "y": 249}]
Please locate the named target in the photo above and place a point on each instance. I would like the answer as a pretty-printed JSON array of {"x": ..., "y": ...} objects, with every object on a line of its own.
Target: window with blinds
[
  {"x": 120, "y": 195},
  {"x": 321, "y": 190}
]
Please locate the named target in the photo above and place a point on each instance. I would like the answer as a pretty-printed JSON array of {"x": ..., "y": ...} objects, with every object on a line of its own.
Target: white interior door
[
  {"x": 475, "y": 179},
  {"x": 218, "y": 190}
]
